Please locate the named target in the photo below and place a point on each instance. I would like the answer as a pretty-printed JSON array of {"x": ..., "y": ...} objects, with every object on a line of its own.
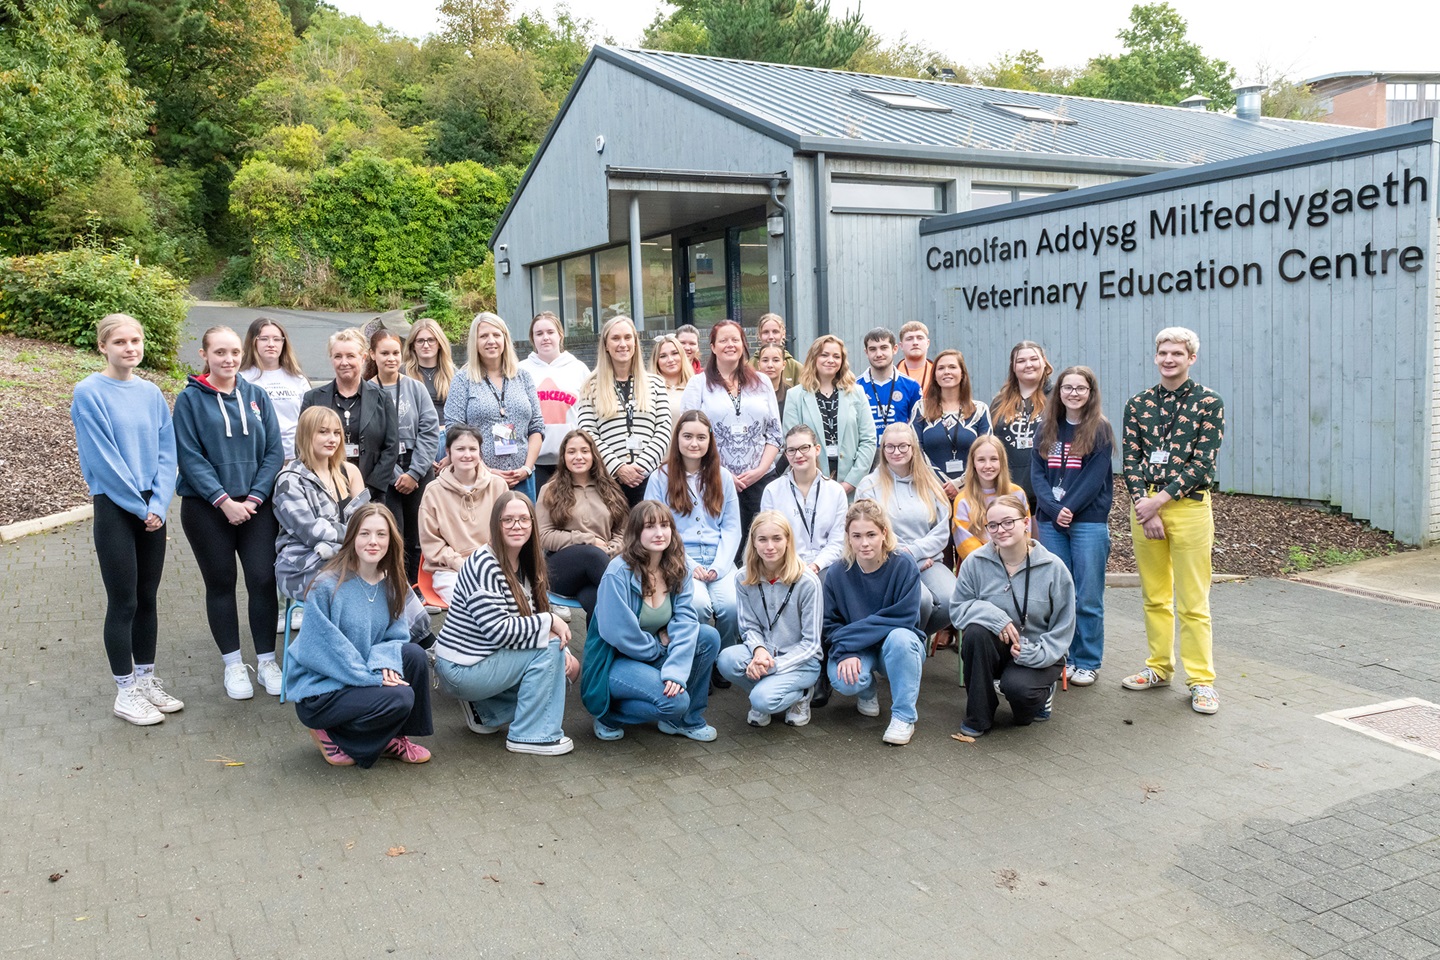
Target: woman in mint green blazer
[{"x": 827, "y": 400}]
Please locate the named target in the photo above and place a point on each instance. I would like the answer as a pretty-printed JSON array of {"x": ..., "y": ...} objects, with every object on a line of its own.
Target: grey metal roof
[{"x": 812, "y": 108}]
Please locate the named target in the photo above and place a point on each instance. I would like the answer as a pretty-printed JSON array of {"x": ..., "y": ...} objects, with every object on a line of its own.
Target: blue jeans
[
  {"x": 717, "y": 599},
  {"x": 774, "y": 692},
  {"x": 637, "y": 694},
  {"x": 903, "y": 654},
  {"x": 1084, "y": 549},
  {"x": 524, "y": 688},
  {"x": 527, "y": 487}
]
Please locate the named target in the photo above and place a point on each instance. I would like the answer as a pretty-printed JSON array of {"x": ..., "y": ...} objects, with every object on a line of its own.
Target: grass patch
[{"x": 1302, "y": 559}]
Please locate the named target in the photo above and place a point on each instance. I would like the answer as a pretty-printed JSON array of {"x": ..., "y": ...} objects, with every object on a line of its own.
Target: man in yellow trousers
[{"x": 1172, "y": 434}]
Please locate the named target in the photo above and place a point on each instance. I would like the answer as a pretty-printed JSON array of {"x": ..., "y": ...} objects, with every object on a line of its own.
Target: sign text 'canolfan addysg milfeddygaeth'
[{"x": 1293, "y": 261}]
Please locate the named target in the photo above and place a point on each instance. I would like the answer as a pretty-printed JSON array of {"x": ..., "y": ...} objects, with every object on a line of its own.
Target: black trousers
[
  {"x": 405, "y": 507},
  {"x": 576, "y": 571},
  {"x": 131, "y": 562},
  {"x": 987, "y": 659},
  {"x": 749, "y": 506},
  {"x": 362, "y": 720},
  {"x": 216, "y": 543},
  {"x": 635, "y": 494},
  {"x": 543, "y": 473}
]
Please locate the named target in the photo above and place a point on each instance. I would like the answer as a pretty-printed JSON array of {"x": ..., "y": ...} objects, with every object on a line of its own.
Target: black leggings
[
  {"x": 215, "y": 543},
  {"x": 576, "y": 571},
  {"x": 131, "y": 562},
  {"x": 405, "y": 507},
  {"x": 749, "y": 506}
]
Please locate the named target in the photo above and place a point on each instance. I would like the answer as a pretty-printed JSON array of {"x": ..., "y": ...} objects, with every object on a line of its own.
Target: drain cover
[{"x": 1413, "y": 723}]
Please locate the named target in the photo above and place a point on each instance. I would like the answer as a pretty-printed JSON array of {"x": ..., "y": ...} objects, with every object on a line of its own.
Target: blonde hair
[
  {"x": 971, "y": 491},
  {"x": 686, "y": 371},
  {"x": 922, "y": 476},
  {"x": 874, "y": 513},
  {"x": 599, "y": 388},
  {"x": 770, "y": 318},
  {"x": 353, "y": 335},
  {"x": 111, "y": 322},
  {"x": 444, "y": 365},
  {"x": 1184, "y": 336},
  {"x": 509, "y": 363},
  {"x": 912, "y": 326},
  {"x": 309, "y": 424},
  {"x": 844, "y": 377},
  {"x": 791, "y": 569}
]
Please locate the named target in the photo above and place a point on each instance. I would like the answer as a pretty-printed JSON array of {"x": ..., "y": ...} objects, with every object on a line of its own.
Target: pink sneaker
[
  {"x": 331, "y": 751},
  {"x": 405, "y": 750}
]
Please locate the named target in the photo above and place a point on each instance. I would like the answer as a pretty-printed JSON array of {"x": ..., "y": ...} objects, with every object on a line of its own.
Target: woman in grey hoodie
[{"x": 1014, "y": 604}]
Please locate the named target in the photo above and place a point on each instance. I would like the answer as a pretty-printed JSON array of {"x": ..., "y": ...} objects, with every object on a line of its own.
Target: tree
[
  {"x": 1160, "y": 64},
  {"x": 474, "y": 23},
  {"x": 904, "y": 58},
  {"x": 800, "y": 32},
  {"x": 488, "y": 107},
  {"x": 1286, "y": 99},
  {"x": 66, "y": 108},
  {"x": 1025, "y": 70},
  {"x": 558, "y": 50}
]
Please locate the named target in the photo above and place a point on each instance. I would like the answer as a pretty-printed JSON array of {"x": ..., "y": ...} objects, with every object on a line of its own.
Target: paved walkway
[{"x": 1127, "y": 826}]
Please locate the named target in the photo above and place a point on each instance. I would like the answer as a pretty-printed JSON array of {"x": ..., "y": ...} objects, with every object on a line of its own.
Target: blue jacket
[
  {"x": 615, "y": 631},
  {"x": 229, "y": 444}
]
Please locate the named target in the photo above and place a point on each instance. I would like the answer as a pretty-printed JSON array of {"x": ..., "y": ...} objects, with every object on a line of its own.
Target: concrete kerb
[
  {"x": 23, "y": 528},
  {"x": 1133, "y": 579}
]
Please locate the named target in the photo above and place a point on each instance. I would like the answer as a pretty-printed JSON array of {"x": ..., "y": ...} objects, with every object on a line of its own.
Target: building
[
  {"x": 1309, "y": 274},
  {"x": 680, "y": 188},
  {"x": 1374, "y": 100}
]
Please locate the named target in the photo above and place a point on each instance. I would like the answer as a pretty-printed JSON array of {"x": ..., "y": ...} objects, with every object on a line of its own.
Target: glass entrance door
[
  {"x": 726, "y": 275},
  {"x": 707, "y": 276}
]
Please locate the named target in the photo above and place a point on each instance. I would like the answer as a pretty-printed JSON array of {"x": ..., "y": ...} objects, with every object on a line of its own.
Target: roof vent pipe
[
  {"x": 1247, "y": 101},
  {"x": 1197, "y": 102}
]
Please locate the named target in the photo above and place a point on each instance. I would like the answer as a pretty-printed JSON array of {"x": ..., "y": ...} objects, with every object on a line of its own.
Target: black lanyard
[
  {"x": 735, "y": 397},
  {"x": 886, "y": 410},
  {"x": 500, "y": 396},
  {"x": 1022, "y": 612},
  {"x": 800, "y": 506},
  {"x": 771, "y": 621},
  {"x": 627, "y": 397}
]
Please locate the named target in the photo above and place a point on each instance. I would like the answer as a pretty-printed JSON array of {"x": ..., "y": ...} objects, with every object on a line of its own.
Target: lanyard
[
  {"x": 800, "y": 506},
  {"x": 627, "y": 397},
  {"x": 771, "y": 621},
  {"x": 735, "y": 398},
  {"x": 886, "y": 410},
  {"x": 500, "y": 396},
  {"x": 1022, "y": 612}
]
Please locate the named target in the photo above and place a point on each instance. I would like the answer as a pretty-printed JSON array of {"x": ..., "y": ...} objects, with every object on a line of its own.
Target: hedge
[{"x": 60, "y": 296}]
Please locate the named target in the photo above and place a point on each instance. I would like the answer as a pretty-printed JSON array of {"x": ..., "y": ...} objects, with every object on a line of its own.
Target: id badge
[
  {"x": 352, "y": 451},
  {"x": 1159, "y": 456},
  {"x": 832, "y": 450},
  {"x": 954, "y": 467},
  {"x": 403, "y": 449},
  {"x": 505, "y": 442},
  {"x": 634, "y": 444},
  {"x": 1024, "y": 443},
  {"x": 1058, "y": 493}
]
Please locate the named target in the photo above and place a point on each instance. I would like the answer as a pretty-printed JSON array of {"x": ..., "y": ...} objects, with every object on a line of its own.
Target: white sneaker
[
  {"x": 868, "y": 707},
  {"x": 131, "y": 704},
  {"x": 562, "y": 612},
  {"x": 270, "y": 677},
  {"x": 1082, "y": 677},
  {"x": 555, "y": 748},
  {"x": 296, "y": 618},
  {"x": 758, "y": 718},
  {"x": 899, "y": 732},
  {"x": 237, "y": 682},
  {"x": 799, "y": 713},
  {"x": 153, "y": 690}
]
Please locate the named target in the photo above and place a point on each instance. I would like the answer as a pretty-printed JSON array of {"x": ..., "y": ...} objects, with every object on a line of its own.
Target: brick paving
[{"x": 1127, "y": 826}]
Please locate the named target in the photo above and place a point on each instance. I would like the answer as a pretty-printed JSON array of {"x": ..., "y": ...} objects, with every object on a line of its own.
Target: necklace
[{"x": 372, "y": 594}]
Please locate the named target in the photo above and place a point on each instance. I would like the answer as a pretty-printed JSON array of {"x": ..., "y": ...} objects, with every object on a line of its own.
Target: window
[
  {"x": 886, "y": 196},
  {"x": 545, "y": 288},
  {"x": 1402, "y": 91},
  {"x": 1027, "y": 112},
  {"x": 612, "y": 269},
  {"x": 1432, "y": 91},
  {"x": 989, "y": 196},
  {"x": 569, "y": 288},
  {"x": 658, "y": 270},
  {"x": 577, "y": 295},
  {"x": 901, "y": 101}
]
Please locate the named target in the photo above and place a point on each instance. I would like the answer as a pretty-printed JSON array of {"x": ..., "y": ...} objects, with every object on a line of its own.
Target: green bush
[{"x": 60, "y": 296}]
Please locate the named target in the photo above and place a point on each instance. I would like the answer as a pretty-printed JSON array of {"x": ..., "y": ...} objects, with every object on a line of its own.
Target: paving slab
[{"x": 1411, "y": 575}]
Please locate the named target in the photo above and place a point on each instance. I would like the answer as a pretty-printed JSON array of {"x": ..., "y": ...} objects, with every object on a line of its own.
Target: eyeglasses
[
  {"x": 425, "y": 341},
  {"x": 514, "y": 523},
  {"x": 1068, "y": 388},
  {"x": 995, "y": 526},
  {"x": 794, "y": 451},
  {"x": 269, "y": 339},
  {"x": 896, "y": 448}
]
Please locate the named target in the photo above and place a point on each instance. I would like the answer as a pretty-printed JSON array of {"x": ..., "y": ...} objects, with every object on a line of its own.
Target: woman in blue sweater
[
  {"x": 872, "y": 618},
  {"x": 647, "y": 657},
  {"x": 230, "y": 451},
  {"x": 127, "y": 456},
  {"x": 356, "y": 682},
  {"x": 1071, "y": 471},
  {"x": 502, "y": 652}
]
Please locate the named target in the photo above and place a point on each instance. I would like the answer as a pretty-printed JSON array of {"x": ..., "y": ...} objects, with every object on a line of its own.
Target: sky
[{"x": 1303, "y": 41}]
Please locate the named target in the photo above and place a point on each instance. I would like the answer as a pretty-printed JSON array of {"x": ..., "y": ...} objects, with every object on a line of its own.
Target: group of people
[{"x": 787, "y": 526}]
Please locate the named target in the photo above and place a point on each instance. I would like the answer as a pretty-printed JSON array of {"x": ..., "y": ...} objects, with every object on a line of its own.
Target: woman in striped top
[
  {"x": 778, "y": 659},
  {"x": 501, "y": 651},
  {"x": 626, "y": 409}
]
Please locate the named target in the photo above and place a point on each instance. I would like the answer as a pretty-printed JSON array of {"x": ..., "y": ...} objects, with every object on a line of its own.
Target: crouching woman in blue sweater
[
  {"x": 357, "y": 683},
  {"x": 872, "y": 618},
  {"x": 647, "y": 656},
  {"x": 1014, "y": 605}
]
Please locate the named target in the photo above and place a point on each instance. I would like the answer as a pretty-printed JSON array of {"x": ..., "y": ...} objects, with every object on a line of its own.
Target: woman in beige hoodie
[
  {"x": 455, "y": 510},
  {"x": 581, "y": 513}
]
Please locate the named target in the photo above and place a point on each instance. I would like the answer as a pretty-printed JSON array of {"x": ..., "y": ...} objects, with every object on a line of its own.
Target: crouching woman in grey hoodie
[{"x": 1014, "y": 605}]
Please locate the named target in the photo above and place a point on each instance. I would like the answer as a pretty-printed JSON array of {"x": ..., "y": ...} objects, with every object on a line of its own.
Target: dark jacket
[
  {"x": 378, "y": 433},
  {"x": 228, "y": 444}
]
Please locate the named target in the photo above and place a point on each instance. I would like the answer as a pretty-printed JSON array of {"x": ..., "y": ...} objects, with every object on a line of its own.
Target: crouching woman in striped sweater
[
  {"x": 360, "y": 687},
  {"x": 647, "y": 657},
  {"x": 502, "y": 653}
]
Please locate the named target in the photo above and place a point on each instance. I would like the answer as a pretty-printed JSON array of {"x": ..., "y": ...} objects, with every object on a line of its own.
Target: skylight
[
  {"x": 1026, "y": 112},
  {"x": 902, "y": 101}
]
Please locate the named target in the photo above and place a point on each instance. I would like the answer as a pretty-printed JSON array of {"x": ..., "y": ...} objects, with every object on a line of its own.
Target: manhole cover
[{"x": 1413, "y": 723}]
